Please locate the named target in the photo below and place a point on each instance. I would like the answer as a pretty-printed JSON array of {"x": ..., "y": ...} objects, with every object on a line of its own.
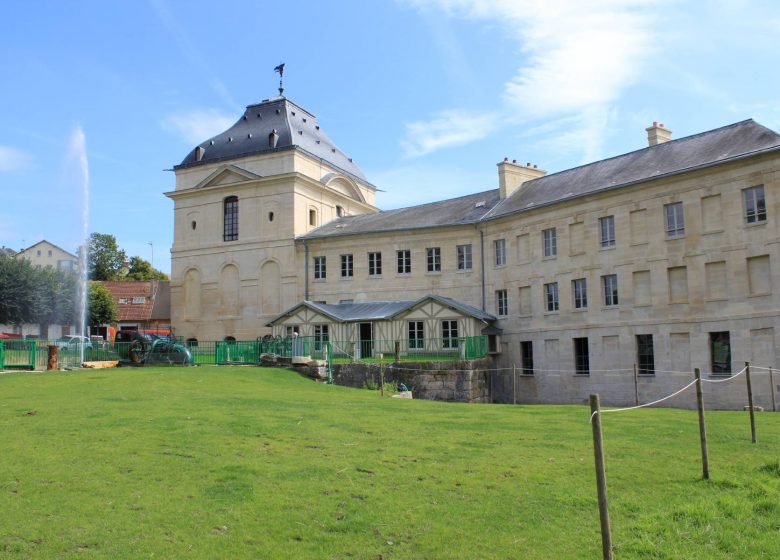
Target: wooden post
[
  {"x": 381, "y": 375},
  {"x": 772, "y": 389},
  {"x": 705, "y": 459},
  {"x": 53, "y": 357},
  {"x": 397, "y": 351},
  {"x": 750, "y": 403},
  {"x": 514, "y": 383},
  {"x": 601, "y": 478},
  {"x": 636, "y": 386}
]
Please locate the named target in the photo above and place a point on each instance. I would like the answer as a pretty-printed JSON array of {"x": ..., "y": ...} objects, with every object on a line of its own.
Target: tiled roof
[{"x": 128, "y": 290}]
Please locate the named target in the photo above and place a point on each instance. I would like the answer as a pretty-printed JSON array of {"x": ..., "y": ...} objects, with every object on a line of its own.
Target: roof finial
[{"x": 280, "y": 69}]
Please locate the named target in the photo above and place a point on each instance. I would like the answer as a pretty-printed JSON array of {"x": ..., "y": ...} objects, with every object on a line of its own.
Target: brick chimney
[
  {"x": 657, "y": 134},
  {"x": 511, "y": 176}
]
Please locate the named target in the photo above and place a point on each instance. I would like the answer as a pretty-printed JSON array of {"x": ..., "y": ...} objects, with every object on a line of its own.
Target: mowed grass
[{"x": 246, "y": 462}]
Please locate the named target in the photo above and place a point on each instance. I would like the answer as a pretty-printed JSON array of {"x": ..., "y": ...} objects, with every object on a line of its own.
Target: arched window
[
  {"x": 230, "y": 214},
  {"x": 312, "y": 217}
]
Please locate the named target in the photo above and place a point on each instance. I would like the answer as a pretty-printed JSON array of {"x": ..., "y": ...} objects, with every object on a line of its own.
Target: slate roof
[
  {"x": 381, "y": 310},
  {"x": 296, "y": 127},
  {"x": 732, "y": 142}
]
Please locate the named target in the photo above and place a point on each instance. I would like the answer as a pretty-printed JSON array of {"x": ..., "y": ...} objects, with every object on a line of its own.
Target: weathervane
[{"x": 280, "y": 69}]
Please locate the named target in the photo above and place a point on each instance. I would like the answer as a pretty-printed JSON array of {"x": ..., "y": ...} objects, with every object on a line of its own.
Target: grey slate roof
[
  {"x": 455, "y": 211},
  {"x": 721, "y": 145},
  {"x": 296, "y": 127},
  {"x": 382, "y": 310}
]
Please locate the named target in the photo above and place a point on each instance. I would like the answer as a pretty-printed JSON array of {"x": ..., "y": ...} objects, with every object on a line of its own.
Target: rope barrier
[
  {"x": 689, "y": 385},
  {"x": 726, "y": 378}
]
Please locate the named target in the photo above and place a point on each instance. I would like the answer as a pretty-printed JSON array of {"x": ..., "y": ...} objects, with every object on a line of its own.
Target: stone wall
[{"x": 463, "y": 381}]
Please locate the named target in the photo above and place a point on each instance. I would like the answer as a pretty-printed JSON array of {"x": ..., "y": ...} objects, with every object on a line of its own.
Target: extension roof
[
  {"x": 146, "y": 311},
  {"x": 381, "y": 310},
  {"x": 296, "y": 128},
  {"x": 722, "y": 145}
]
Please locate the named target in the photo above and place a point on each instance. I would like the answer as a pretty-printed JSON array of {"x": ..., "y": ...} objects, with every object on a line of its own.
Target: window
[
  {"x": 346, "y": 266},
  {"x": 404, "y": 261},
  {"x": 50, "y": 252},
  {"x": 501, "y": 303},
  {"x": 65, "y": 265},
  {"x": 610, "y": 285},
  {"x": 527, "y": 357},
  {"x": 645, "y": 356},
  {"x": 720, "y": 352},
  {"x": 581, "y": 358},
  {"x": 579, "y": 288},
  {"x": 416, "y": 336},
  {"x": 499, "y": 246},
  {"x": 139, "y": 299},
  {"x": 464, "y": 257},
  {"x": 549, "y": 242},
  {"x": 312, "y": 217},
  {"x": 374, "y": 264},
  {"x": 122, "y": 301},
  {"x": 319, "y": 268},
  {"x": 230, "y": 218},
  {"x": 607, "y": 227},
  {"x": 321, "y": 337},
  {"x": 339, "y": 211},
  {"x": 434, "y": 259},
  {"x": 675, "y": 220},
  {"x": 551, "y": 296},
  {"x": 39, "y": 253},
  {"x": 755, "y": 204},
  {"x": 449, "y": 333}
]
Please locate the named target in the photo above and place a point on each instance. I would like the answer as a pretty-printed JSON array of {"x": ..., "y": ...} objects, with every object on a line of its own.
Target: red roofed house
[{"x": 142, "y": 305}]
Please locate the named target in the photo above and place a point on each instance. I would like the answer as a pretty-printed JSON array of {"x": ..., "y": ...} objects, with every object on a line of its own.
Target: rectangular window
[
  {"x": 139, "y": 299},
  {"x": 375, "y": 264},
  {"x": 549, "y": 242},
  {"x": 720, "y": 352},
  {"x": 551, "y": 296},
  {"x": 645, "y": 355},
  {"x": 434, "y": 259},
  {"x": 449, "y": 333},
  {"x": 755, "y": 204},
  {"x": 610, "y": 285},
  {"x": 347, "y": 269},
  {"x": 416, "y": 334},
  {"x": 502, "y": 305},
  {"x": 321, "y": 337},
  {"x": 527, "y": 357},
  {"x": 499, "y": 247},
  {"x": 464, "y": 257},
  {"x": 579, "y": 288},
  {"x": 122, "y": 301},
  {"x": 319, "y": 268},
  {"x": 675, "y": 219},
  {"x": 581, "y": 357},
  {"x": 404, "y": 261},
  {"x": 230, "y": 221},
  {"x": 607, "y": 227}
]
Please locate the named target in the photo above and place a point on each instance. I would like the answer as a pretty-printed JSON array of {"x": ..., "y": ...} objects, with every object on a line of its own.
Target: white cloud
[
  {"x": 576, "y": 57},
  {"x": 12, "y": 159},
  {"x": 198, "y": 125},
  {"x": 446, "y": 129}
]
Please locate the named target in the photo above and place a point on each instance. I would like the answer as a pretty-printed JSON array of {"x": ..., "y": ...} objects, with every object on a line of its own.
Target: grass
[{"x": 244, "y": 462}]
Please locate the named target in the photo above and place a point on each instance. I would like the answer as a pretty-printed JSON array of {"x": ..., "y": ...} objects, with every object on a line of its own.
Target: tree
[
  {"x": 141, "y": 269},
  {"x": 106, "y": 259},
  {"x": 17, "y": 291},
  {"x": 102, "y": 307},
  {"x": 55, "y": 298}
]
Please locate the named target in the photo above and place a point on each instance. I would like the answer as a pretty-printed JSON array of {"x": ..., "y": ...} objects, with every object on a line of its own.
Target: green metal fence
[
  {"x": 419, "y": 349},
  {"x": 2, "y": 354}
]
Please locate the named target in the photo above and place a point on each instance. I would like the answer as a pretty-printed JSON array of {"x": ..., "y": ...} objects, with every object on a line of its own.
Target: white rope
[
  {"x": 646, "y": 404},
  {"x": 725, "y": 379}
]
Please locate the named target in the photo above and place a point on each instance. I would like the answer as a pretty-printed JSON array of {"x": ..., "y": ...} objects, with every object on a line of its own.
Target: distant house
[
  {"x": 44, "y": 254},
  {"x": 144, "y": 305}
]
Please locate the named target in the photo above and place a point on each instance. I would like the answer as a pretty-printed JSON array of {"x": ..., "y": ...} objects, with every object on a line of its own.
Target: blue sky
[{"x": 425, "y": 95}]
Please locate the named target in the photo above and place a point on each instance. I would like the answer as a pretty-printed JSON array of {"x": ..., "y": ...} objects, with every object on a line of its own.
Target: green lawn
[{"x": 245, "y": 462}]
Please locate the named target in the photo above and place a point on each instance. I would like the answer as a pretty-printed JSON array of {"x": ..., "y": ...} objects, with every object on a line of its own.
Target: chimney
[
  {"x": 511, "y": 176},
  {"x": 657, "y": 134}
]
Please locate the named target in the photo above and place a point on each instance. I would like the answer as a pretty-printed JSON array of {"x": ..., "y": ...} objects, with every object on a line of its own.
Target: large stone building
[{"x": 663, "y": 257}]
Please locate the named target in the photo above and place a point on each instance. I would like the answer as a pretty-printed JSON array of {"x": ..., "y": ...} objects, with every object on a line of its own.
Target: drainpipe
[
  {"x": 482, "y": 263},
  {"x": 306, "y": 271}
]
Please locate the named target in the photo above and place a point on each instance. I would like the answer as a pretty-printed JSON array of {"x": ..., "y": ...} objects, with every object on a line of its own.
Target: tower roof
[{"x": 252, "y": 134}]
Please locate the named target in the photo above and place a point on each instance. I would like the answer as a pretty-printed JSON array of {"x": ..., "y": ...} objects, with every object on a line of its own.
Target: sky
[{"x": 99, "y": 100}]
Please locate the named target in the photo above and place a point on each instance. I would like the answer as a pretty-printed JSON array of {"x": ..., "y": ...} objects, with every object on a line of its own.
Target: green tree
[
  {"x": 55, "y": 298},
  {"x": 141, "y": 269},
  {"x": 102, "y": 307},
  {"x": 105, "y": 259},
  {"x": 17, "y": 291}
]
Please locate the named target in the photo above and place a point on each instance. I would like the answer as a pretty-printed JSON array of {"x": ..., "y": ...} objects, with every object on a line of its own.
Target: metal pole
[
  {"x": 381, "y": 376},
  {"x": 514, "y": 382},
  {"x": 601, "y": 478},
  {"x": 705, "y": 460},
  {"x": 772, "y": 389},
  {"x": 636, "y": 386},
  {"x": 750, "y": 403}
]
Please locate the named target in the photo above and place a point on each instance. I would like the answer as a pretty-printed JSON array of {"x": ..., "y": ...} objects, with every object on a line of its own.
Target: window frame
[
  {"x": 674, "y": 221},
  {"x": 754, "y": 215},
  {"x": 645, "y": 354},
  {"x": 527, "y": 357},
  {"x": 433, "y": 256},
  {"x": 609, "y": 290},
  {"x": 607, "y": 231},
  {"x": 502, "y": 303},
  {"x": 579, "y": 290},
  {"x": 415, "y": 334},
  {"x": 375, "y": 264},
  {"x": 722, "y": 367},
  {"x": 449, "y": 333},
  {"x": 320, "y": 267},
  {"x": 549, "y": 243},
  {"x": 321, "y": 335},
  {"x": 230, "y": 218},
  {"x": 347, "y": 265},
  {"x": 581, "y": 359},
  {"x": 404, "y": 261},
  {"x": 499, "y": 251},
  {"x": 551, "y": 297},
  {"x": 465, "y": 260}
]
